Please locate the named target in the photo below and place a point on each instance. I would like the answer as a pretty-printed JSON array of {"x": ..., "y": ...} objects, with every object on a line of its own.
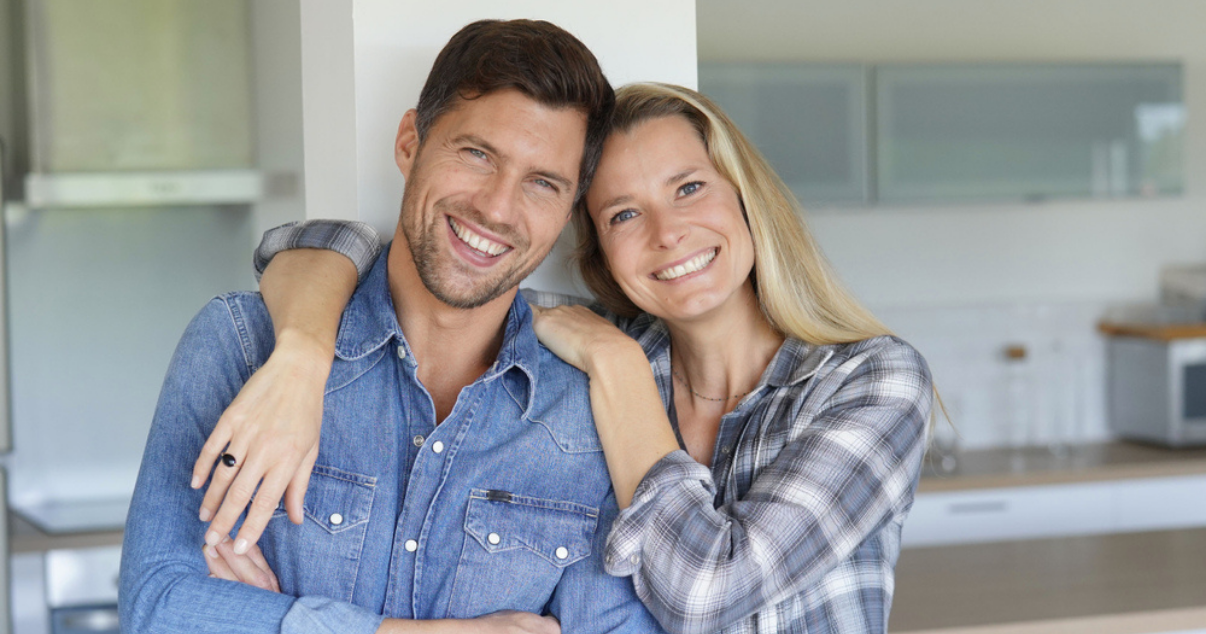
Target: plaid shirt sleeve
[
  {"x": 356, "y": 240},
  {"x": 850, "y": 466}
]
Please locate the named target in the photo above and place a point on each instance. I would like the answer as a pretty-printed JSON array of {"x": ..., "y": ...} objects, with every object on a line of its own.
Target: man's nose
[{"x": 496, "y": 199}]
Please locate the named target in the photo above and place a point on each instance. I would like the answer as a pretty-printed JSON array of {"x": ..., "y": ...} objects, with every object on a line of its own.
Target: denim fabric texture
[{"x": 504, "y": 505}]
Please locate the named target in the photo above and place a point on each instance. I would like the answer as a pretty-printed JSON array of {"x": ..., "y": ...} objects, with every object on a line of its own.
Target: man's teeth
[
  {"x": 690, "y": 266},
  {"x": 480, "y": 243}
]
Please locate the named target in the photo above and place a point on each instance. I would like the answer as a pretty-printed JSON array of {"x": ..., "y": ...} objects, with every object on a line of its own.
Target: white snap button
[
  {"x": 437, "y": 446},
  {"x": 636, "y": 559},
  {"x": 401, "y": 352},
  {"x": 418, "y": 440},
  {"x": 562, "y": 552},
  {"x": 336, "y": 519},
  {"x": 493, "y": 538},
  {"x": 411, "y": 545}
]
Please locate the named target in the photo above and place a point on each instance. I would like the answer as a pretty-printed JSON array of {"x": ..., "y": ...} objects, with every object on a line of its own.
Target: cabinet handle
[{"x": 988, "y": 506}]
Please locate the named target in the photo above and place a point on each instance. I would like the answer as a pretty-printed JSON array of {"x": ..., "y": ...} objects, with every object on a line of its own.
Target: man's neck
[{"x": 452, "y": 346}]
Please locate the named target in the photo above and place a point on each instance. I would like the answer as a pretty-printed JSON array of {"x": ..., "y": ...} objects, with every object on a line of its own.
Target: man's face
[{"x": 487, "y": 192}]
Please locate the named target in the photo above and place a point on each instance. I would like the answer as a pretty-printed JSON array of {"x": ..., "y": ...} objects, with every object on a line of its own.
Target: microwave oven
[{"x": 1156, "y": 390}]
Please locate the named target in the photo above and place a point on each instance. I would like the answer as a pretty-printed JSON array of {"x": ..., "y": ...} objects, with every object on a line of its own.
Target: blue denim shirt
[{"x": 505, "y": 505}]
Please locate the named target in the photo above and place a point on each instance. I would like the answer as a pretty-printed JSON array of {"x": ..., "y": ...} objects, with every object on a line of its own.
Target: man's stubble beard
[{"x": 425, "y": 251}]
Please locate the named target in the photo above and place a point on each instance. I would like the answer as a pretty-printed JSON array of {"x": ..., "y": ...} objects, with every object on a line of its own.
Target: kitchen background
[{"x": 147, "y": 143}]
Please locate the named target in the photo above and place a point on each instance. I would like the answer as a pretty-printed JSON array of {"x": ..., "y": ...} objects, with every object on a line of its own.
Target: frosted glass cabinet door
[
  {"x": 810, "y": 121},
  {"x": 1028, "y": 132}
]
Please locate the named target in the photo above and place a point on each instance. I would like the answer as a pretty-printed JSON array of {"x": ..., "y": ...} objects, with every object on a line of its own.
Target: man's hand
[
  {"x": 250, "y": 568},
  {"x": 271, "y": 429}
]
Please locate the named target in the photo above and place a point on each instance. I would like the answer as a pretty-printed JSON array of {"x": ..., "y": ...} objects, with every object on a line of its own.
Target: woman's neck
[{"x": 725, "y": 354}]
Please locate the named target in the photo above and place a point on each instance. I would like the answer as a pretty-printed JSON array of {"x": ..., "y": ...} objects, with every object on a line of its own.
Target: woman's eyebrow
[{"x": 681, "y": 175}]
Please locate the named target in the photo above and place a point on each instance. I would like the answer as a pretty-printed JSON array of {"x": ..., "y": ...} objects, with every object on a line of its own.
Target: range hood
[{"x": 110, "y": 189}]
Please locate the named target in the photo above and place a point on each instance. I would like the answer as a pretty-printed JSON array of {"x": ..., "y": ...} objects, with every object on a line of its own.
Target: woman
[{"x": 764, "y": 432}]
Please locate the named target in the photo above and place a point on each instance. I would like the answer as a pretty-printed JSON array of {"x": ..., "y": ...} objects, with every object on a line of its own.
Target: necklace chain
[{"x": 706, "y": 398}]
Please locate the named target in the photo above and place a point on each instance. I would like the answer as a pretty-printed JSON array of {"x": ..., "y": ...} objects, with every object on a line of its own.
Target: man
[{"x": 458, "y": 472}]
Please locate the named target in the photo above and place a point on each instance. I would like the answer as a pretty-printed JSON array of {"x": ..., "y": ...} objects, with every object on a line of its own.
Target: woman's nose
[{"x": 669, "y": 229}]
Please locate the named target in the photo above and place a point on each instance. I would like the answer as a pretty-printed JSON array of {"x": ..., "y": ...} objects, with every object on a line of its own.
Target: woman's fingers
[
  {"x": 260, "y": 512},
  {"x": 238, "y": 494},
  {"x": 248, "y": 569},
  {"x": 220, "y": 481},
  {"x": 218, "y": 568},
  {"x": 209, "y": 454},
  {"x": 295, "y": 495}
]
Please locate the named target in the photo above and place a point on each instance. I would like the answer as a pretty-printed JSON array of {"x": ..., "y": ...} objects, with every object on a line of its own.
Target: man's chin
[{"x": 470, "y": 296}]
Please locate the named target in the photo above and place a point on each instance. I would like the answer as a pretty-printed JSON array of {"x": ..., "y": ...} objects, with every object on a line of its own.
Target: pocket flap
[
  {"x": 338, "y": 500},
  {"x": 559, "y": 532}
]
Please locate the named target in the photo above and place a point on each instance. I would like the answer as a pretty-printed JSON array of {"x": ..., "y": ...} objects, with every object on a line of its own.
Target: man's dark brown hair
[{"x": 537, "y": 58}]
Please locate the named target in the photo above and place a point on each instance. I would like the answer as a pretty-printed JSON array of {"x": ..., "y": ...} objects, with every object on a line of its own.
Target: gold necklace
[{"x": 706, "y": 398}]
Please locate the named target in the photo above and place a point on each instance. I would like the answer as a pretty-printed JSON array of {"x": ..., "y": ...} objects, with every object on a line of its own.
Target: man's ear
[{"x": 406, "y": 144}]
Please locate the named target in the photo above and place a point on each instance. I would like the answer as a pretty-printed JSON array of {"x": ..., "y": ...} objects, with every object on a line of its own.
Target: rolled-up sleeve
[
  {"x": 850, "y": 466},
  {"x": 356, "y": 240}
]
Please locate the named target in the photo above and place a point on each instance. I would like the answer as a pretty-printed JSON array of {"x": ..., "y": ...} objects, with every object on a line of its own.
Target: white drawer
[
  {"x": 1160, "y": 503},
  {"x": 985, "y": 515}
]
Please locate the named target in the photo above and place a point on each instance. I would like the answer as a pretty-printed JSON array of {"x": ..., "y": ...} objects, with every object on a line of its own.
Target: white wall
[{"x": 1053, "y": 251}]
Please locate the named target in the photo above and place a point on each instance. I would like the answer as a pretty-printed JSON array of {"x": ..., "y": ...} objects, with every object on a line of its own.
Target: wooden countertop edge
[
  {"x": 934, "y": 484},
  {"x": 1158, "y": 332},
  {"x": 1129, "y": 623}
]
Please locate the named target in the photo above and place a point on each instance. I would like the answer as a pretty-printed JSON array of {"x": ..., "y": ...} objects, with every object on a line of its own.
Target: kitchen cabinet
[
  {"x": 1095, "y": 489},
  {"x": 808, "y": 120}
]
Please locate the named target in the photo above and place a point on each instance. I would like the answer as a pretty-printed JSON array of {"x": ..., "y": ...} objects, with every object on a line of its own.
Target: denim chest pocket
[
  {"x": 322, "y": 555},
  {"x": 516, "y": 549}
]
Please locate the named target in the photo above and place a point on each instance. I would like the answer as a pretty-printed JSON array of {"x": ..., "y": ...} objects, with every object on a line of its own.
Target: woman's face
[{"x": 669, "y": 224}]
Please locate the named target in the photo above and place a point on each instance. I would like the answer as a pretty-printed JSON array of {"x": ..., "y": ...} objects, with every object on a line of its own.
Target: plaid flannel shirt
[{"x": 796, "y": 526}]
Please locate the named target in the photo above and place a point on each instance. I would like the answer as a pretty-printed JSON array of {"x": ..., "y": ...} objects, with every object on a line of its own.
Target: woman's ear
[{"x": 406, "y": 144}]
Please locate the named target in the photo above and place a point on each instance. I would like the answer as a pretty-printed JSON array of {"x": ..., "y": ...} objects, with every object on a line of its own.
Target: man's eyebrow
[
  {"x": 556, "y": 178},
  {"x": 473, "y": 139}
]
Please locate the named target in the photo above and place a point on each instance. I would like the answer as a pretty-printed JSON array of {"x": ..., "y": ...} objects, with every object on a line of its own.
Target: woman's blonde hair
[{"x": 796, "y": 287}]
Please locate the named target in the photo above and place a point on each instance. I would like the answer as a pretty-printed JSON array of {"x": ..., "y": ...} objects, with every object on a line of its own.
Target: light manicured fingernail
[
  {"x": 205, "y": 515},
  {"x": 240, "y": 547},
  {"x": 211, "y": 552},
  {"x": 196, "y": 482},
  {"x": 212, "y": 538}
]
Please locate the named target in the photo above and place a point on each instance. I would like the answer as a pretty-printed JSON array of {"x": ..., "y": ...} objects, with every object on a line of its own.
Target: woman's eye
[
  {"x": 621, "y": 216},
  {"x": 689, "y": 188}
]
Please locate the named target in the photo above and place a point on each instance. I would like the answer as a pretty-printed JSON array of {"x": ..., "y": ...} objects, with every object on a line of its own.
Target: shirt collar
[{"x": 370, "y": 322}]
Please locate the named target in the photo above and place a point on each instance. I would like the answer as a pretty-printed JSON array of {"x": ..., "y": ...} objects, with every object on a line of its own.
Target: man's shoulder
[{"x": 236, "y": 319}]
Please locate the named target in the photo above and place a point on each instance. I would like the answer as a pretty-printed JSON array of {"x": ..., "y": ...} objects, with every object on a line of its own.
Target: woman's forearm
[
  {"x": 632, "y": 422},
  {"x": 306, "y": 291}
]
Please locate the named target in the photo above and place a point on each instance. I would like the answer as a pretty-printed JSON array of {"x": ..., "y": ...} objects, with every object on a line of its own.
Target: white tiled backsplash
[{"x": 1054, "y": 394}]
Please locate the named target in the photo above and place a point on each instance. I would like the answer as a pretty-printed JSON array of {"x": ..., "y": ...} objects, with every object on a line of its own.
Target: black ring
[{"x": 229, "y": 460}]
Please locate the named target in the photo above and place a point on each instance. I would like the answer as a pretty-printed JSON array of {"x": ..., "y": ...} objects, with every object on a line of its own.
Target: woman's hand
[
  {"x": 272, "y": 430},
  {"x": 577, "y": 334},
  {"x": 250, "y": 568}
]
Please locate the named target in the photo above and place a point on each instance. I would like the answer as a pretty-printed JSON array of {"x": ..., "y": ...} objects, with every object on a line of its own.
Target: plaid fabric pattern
[
  {"x": 796, "y": 526},
  {"x": 358, "y": 241}
]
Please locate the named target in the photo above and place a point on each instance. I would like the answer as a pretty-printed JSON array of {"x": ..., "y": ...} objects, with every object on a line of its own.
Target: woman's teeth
[
  {"x": 489, "y": 247},
  {"x": 690, "y": 266}
]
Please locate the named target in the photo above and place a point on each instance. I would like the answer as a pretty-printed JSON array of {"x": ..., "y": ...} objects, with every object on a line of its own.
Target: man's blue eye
[
  {"x": 476, "y": 153},
  {"x": 546, "y": 184}
]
